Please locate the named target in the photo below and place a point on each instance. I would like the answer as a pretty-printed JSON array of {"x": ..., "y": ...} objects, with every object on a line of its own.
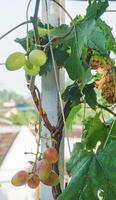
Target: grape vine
[{"x": 83, "y": 49}]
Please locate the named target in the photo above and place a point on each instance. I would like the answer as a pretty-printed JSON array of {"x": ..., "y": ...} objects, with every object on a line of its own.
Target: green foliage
[
  {"x": 95, "y": 131},
  {"x": 97, "y": 35},
  {"x": 71, "y": 116},
  {"x": 75, "y": 68},
  {"x": 93, "y": 175},
  {"x": 9, "y": 95},
  {"x": 90, "y": 95},
  {"x": 24, "y": 118},
  {"x": 60, "y": 55},
  {"x": 107, "y": 30},
  {"x": 96, "y": 9},
  {"x": 72, "y": 92},
  {"x": 94, "y": 38},
  {"x": 21, "y": 101}
]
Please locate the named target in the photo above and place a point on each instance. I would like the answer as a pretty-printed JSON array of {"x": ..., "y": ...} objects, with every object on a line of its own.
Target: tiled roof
[{"x": 6, "y": 140}]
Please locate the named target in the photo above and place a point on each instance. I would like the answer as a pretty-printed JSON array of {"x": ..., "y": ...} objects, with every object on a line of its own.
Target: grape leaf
[
  {"x": 60, "y": 55},
  {"x": 94, "y": 131},
  {"x": 93, "y": 175},
  {"x": 73, "y": 93},
  {"x": 85, "y": 33},
  {"x": 107, "y": 30},
  {"x": 96, "y": 9},
  {"x": 76, "y": 69},
  {"x": 97, "y": 41},
  {"x": 71, "y": 116},
  {"x": 113, "y": 130},
  {"x": 23, "y": 41},
  {"x": 90, "y": 95},
  {"x": 59, "y": 31}
]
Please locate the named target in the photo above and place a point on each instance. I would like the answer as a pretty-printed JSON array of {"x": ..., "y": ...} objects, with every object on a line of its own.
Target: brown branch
[
  {"x": 107, "y": 109},
  {"x": 37, "y": 100},
  {"x": 31, "y": 81}
]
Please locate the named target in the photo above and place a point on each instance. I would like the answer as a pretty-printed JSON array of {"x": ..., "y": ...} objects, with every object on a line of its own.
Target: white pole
[{"x": 50, "y": 99}]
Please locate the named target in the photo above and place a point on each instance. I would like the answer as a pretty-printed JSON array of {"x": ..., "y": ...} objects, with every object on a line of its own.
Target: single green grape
[
  {"x": 15, "y": 61},
  {"x": 31, "y": 70},
  {"x": 37, "y": 57}
]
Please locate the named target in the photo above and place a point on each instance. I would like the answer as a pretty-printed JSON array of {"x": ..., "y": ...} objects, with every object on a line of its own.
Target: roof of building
[{"x": 6, "y": 141}]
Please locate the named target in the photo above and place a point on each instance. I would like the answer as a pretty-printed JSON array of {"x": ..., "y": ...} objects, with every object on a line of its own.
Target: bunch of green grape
[{"x": 31, "y": 64}]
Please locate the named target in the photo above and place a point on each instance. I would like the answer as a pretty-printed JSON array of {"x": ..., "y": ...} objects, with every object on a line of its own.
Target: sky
[{"x": 13, "y": 13}]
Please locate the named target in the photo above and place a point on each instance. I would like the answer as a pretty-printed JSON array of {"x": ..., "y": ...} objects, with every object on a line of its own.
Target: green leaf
[
  {"x": 23, "y": 42},
  {"x": 93, "y": 175},
  {"x": 85, "y": 26},
  {"x": 96, "y": 9},
  {"x": 59, "y": 31},
  {"x": 85, "y": 34},
  {"x": 76, "y": 65},
  {"x": 95, "y": 131},
  {"x": 97, "y": 41},
  {"x": 73, "y": 93},
  {"x": 90, "y": 95},
  {"x": 76, "y": 69},
  {"x": 71, "y": 116},
  {"x": 107, "y": 31},
  {"x": 113, "y": 130},
  {"x": 60, "y": 55},
  {"x": 77, "y": 155},
  {"x": 114, "y": 48}
]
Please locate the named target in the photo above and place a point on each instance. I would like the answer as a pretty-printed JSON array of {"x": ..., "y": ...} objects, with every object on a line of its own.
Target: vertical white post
[{"x": 50, "y": 98}]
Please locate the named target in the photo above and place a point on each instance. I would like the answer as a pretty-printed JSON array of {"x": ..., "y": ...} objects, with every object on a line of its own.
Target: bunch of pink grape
[{"x": 42, "y": 171}]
